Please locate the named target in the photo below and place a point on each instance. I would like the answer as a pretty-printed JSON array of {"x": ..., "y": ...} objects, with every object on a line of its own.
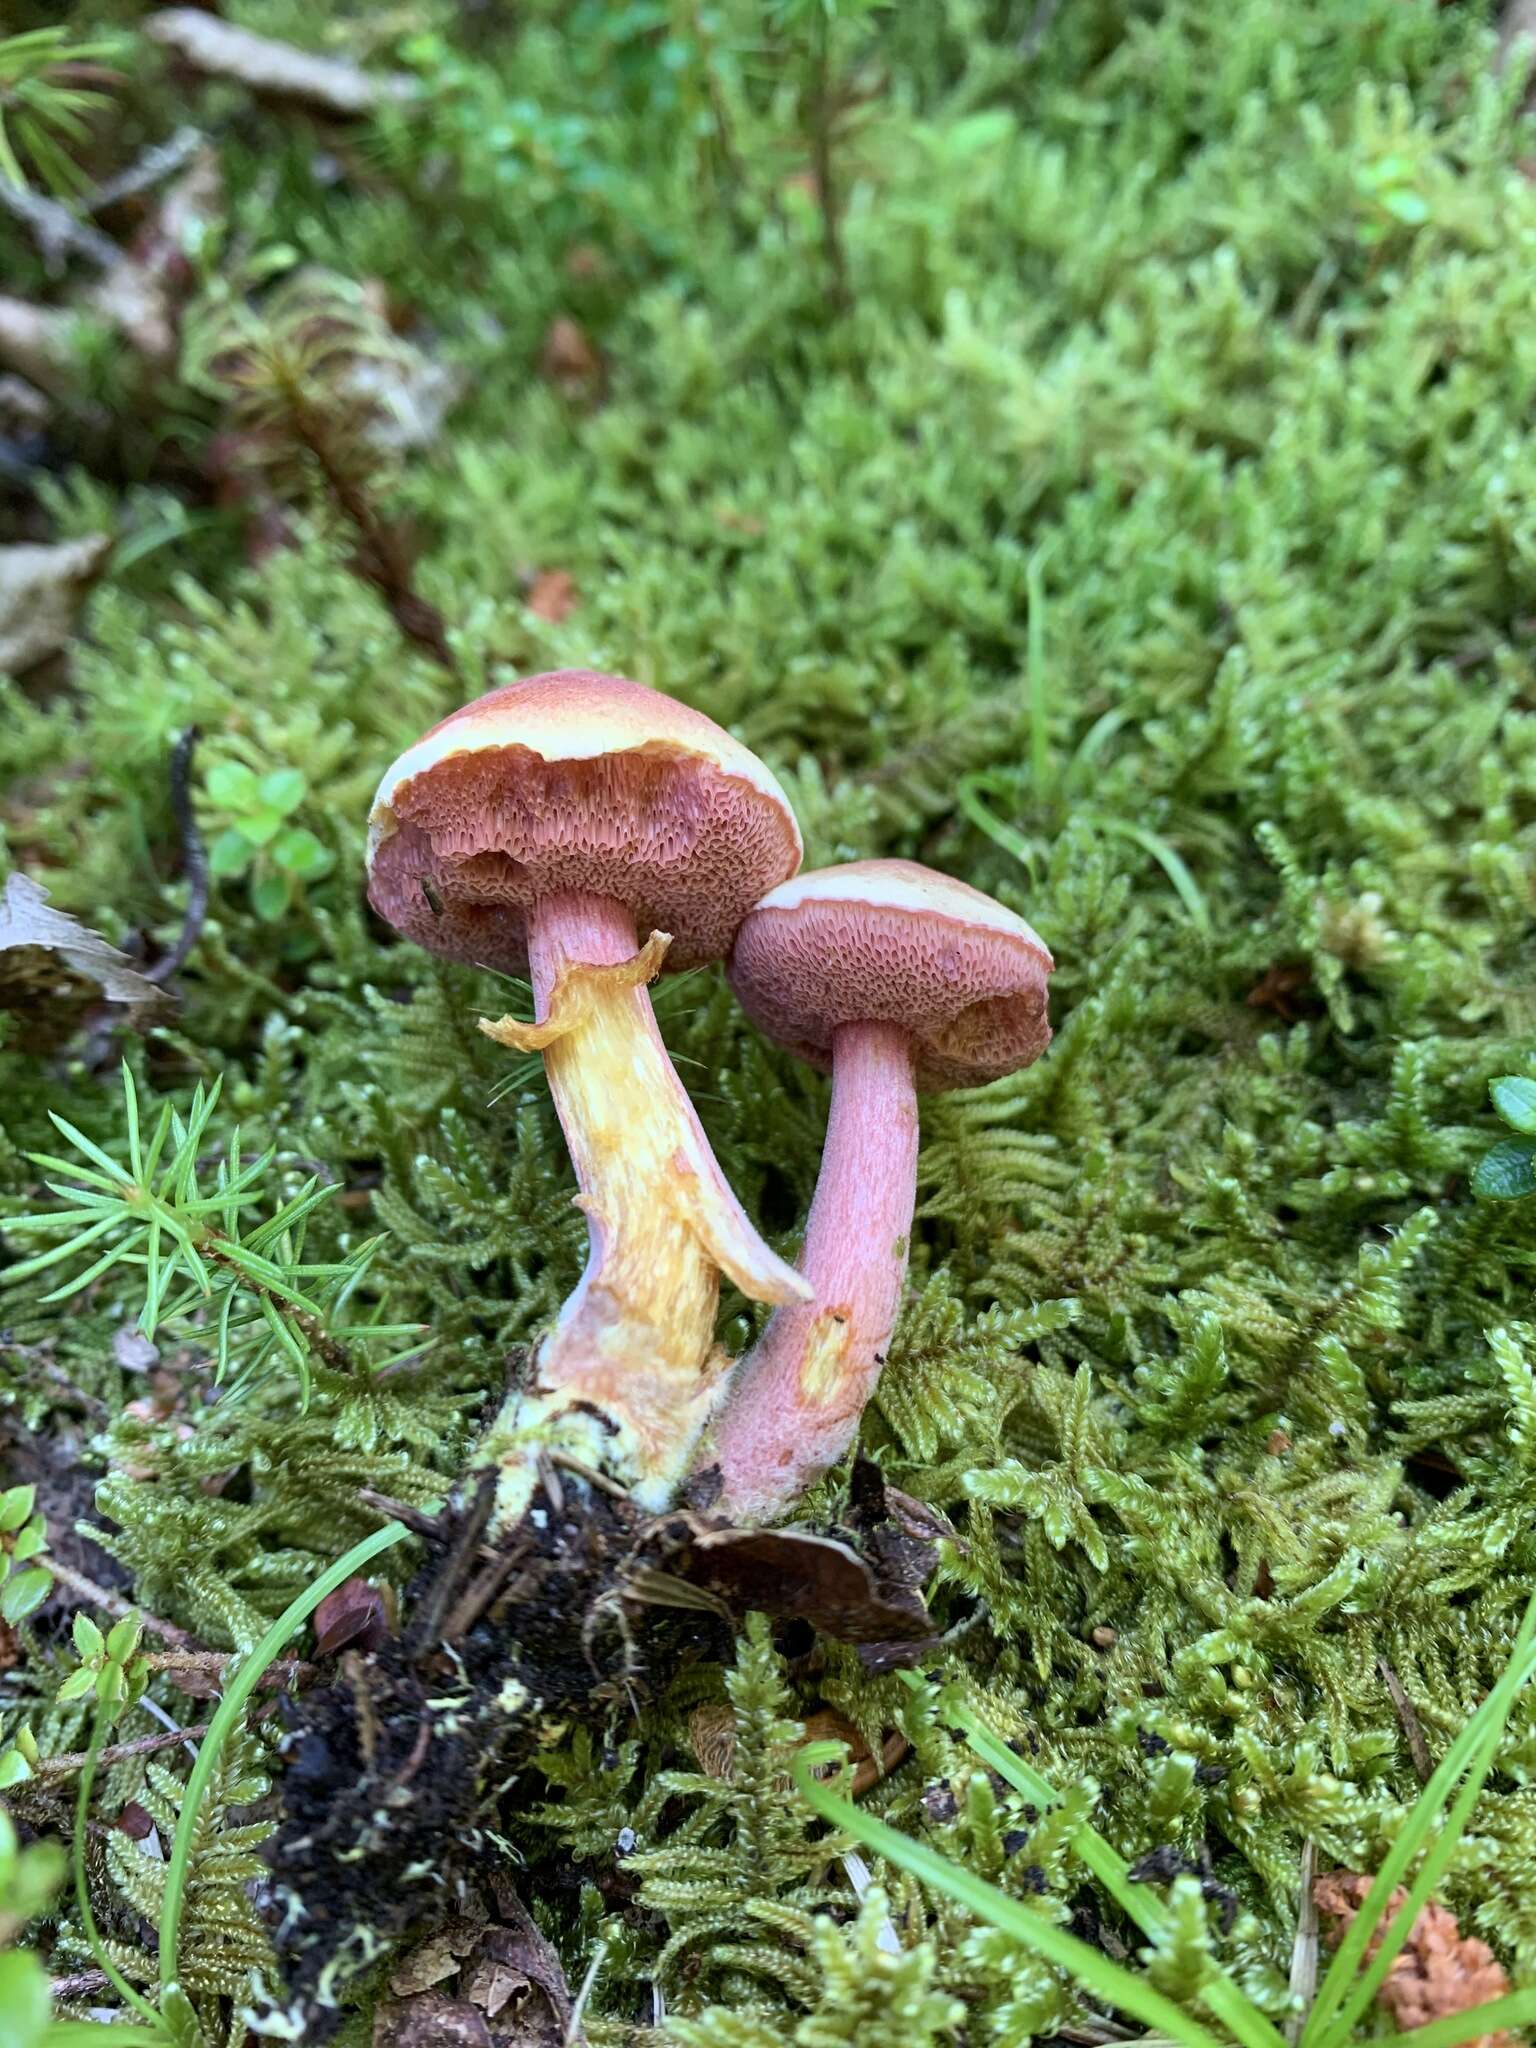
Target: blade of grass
[
  {"x": 1517, "y": 2010},
  {"x": 1141, "y": 1907},
  {"x": 237, "y": 1692},
  {"x": 1490, "y": 1716},
  {"x": 1097, "y": 1975}
]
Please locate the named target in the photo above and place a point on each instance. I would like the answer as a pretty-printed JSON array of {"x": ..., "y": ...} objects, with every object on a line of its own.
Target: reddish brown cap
[
  {"x": 890, "y": 942},
  {"x": 575, "y": 781}
]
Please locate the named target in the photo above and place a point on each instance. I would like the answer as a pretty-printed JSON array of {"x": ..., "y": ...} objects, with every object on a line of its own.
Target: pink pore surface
[
  {"x": 657, "y": 825},
  {"x": 972, "y": 997}
]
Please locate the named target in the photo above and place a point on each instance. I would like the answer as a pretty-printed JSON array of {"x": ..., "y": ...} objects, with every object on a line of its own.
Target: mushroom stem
[
  {"x": 632, "y": 1360},
  {"x": 795, "y": 1402}
]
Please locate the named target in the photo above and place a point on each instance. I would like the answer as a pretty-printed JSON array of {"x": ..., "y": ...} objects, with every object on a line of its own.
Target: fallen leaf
[
  {"x": 135, "y": 1822},
  {"x": 354, "y": 1617},
  {"x": 436, "y": 1959},
  {"x": 553, "y": 595},
  {"x": 1287, "y": 989},
  {"x": 501, "y": 1969},
  {"x": 792, "y": 1574},
  {"x": 143, "y": 295},
  {"x": 568, "y": 358},
  {"x": 430, "y": 2020},
  {"x": 220, "y": 50},
  {"x": 40, "y": 592},
  {"x": 53, "y": 969},
  {"x": 132, "y": 1351},
  {"x": 712, "y": 1732},
  {"x": 36, "y": 342}
]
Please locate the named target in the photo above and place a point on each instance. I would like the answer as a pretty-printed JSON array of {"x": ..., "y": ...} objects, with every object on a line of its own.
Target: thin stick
[
  {"x": 1413, "y": 1728},
  {"x": 115, "y": 1605},
  {"x": 214, "y": 1662},
  {"x": 80, "y": 1985},
  {"x": 1304, "y": 1948},
  {"x": 155, "y": 165},
  {"x": 143, "y": 1745},
  {"x": 194, "y": 858},
  {"x": 55, "y": 229}
]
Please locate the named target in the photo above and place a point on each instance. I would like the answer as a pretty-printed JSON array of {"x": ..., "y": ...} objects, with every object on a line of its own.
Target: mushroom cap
[
  {"x": 891, "y": 942},
  {"x": 575, "y": 782}
]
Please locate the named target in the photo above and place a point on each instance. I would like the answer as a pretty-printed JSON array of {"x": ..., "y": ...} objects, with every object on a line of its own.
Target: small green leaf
[
  {"x": 233, "y": 786},
  {"x": 89, "y": 1640},
  {"x": 283, "y": 790},
  {"x": 16, "y": 1504},
  {"x": 300, "y": 853},
  {"x": 111, "y": 1687},
  {"x": 14, "y": 1769},
  {"x": 78, "y": 1684},
  {"x": 24, "y": 1593},
  {"x": 24, "y": 2001},
  {"x": 15, "y": 1508},
  {"x": 269, "y": 897},
  {"x": 1407, "y": 206},
  {"x": 260, "y": 827},
  {"x": 30, "y": 1541},
  {"x": 1515, "y": 1099},
  {"x": 123, "y": 1637},
  {"x": 1507, "y": 1172},
  {"x": 230, "y": 853}
]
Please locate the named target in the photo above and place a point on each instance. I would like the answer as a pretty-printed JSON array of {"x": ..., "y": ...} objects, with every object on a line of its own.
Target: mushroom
[
  {"x": 898, "y": 979},
  {"x": 537, "y": 829}
]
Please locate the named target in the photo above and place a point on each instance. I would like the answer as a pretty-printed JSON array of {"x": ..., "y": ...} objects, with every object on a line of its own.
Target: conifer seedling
[
  {"x": 545, "y": 826},
  {"x": 899, "y": 979}
]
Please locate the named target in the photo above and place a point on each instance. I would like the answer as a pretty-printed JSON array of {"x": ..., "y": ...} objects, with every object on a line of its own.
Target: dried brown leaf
[
  {"x": 553, "y": 595},
  {"x": 500, "y": 1969},
  {"x": 53, "y": 969},
  {"x": 354, "y": 1617},
  {"x": 569, "y": 359},
  {"x": 40, "y": 592}
]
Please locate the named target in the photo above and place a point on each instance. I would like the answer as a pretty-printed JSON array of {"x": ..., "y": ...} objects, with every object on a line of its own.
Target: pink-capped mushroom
[
  {"x": 899, "y": 979},
  {"x": 546, "y": 828}
]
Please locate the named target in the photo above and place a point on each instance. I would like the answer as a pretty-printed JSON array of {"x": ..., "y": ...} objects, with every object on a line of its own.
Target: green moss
[{"x": 1150, "y": 544}]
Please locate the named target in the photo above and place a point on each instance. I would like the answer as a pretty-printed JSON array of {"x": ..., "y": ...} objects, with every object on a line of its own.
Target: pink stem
[{"x": 794, "y": 1403}]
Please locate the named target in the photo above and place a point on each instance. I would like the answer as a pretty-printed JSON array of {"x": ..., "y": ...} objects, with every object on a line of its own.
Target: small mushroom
[
  {"x": 898, "y": 979},
  {"x": 537, "y": 830}
]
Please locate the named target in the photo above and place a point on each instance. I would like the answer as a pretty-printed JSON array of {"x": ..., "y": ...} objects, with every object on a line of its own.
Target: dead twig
[
  {"x": 1304, "y": 1947},
  {"x": 213, "y": 1663},
  {"x": 81, "y": 1985},
  {"x": 56, "y": 231},
  {"x": 158, "y": 163},
  {"x": 194, "y": 858},
  {"x": 115, "y": 1605},
  {"x": 1413, "y": 1728},
  {"x": 116, "y": 1752}
]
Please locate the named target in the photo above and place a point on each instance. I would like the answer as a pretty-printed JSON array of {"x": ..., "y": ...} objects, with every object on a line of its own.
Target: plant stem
[
  {"x": 823, "y": 169},
  {"x": 794, "y": 1406},
  {"x": 120, "y": 1984},
  {"x": 634, "y": 1344},
  {"x": 382, "y": 556}
]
